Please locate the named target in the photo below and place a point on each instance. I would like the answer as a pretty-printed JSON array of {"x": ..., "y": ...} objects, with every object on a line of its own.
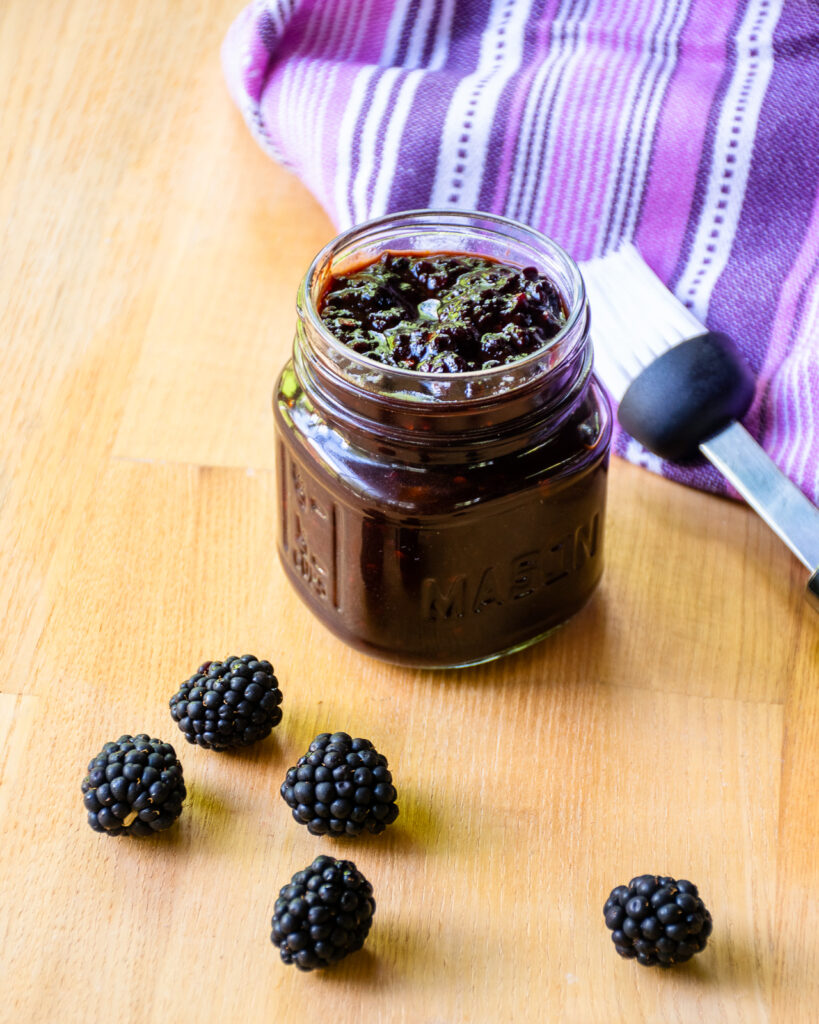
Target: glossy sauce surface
[{"x": 442, "y": 312}]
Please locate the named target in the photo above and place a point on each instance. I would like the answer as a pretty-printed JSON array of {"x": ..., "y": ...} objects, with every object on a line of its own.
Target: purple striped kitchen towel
[{"x": 688, "y": 126}]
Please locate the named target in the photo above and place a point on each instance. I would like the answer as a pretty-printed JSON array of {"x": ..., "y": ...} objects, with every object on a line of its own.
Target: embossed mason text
[{"x": 521, "y": 577}]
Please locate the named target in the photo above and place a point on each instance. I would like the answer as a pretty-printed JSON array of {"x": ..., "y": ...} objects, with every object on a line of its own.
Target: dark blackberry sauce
[{"x": 442, "y": 312}]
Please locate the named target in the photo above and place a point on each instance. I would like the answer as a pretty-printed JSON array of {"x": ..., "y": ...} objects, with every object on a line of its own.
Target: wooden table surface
[{"x": 149, "y": 265}]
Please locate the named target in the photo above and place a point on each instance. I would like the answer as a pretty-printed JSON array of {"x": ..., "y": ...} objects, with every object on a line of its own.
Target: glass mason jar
[{"x": 441, "y": 520}]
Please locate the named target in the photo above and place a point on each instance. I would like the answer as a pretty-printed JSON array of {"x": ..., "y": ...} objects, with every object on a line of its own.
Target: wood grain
[{"x": 150, "y": 259}]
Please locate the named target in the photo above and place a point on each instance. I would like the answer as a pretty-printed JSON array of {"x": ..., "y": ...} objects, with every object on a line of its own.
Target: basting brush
[{"x": 683, "y": 389}]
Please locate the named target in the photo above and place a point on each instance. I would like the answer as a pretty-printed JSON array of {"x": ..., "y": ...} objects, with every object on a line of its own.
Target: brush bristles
[{"x": 635, "y": 318}]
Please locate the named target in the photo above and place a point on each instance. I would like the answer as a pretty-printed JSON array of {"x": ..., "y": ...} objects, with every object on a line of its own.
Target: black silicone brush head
[{"x": 687, "y": 395}]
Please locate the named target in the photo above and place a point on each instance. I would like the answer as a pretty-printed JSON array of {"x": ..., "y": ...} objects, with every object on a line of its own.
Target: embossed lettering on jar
[{"x": 441, "y": 519}]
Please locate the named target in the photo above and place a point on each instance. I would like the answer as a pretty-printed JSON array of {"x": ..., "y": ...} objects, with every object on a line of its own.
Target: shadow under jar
[{"x": 441, "y": 519}]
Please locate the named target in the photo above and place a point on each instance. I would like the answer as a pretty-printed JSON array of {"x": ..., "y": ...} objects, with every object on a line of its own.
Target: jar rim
[{"x": 429, "y": 219}]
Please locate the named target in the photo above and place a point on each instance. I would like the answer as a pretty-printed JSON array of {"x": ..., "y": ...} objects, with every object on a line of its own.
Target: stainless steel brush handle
[{"x": 769, "y": 493}]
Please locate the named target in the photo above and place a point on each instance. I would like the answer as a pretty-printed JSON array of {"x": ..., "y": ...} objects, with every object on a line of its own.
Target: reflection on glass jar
[{"x": 442, "y": 519}]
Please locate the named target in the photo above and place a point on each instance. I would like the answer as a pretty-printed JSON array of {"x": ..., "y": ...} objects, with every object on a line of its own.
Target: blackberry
[
  {"x": 341, "y": 785},
  {"x": 323, "y": 914},
  {"x": 658, "y": 920},
  {"x": 134, "y": 787},
  {"x": 227, "y": 704}
]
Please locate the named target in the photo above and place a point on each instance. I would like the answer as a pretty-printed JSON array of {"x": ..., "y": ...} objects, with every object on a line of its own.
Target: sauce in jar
[
  {"x": 442, "y": 312},
  {"x": 441, "y": 517}
]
